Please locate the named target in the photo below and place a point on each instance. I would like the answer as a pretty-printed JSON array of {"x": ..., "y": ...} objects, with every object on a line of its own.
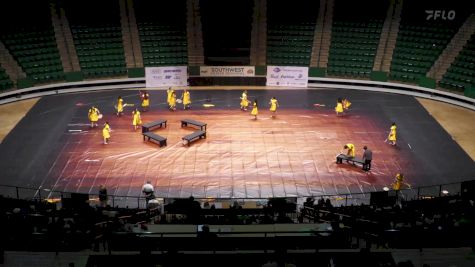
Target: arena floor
[{"x": 290, "y": 155}]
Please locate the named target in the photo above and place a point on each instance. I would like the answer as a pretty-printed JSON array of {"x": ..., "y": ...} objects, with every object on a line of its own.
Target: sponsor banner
[
  {"x": 166, "y": 76},
  {"x": 287, "y": 76},
  {"x": 227, "y": 71}
]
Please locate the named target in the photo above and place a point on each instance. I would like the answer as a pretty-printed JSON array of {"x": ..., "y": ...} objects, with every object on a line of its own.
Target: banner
[
  {"x": 227, "y": 71},
  {"x": 166, "y": 76},
  {"x": 287, "y": 76}
]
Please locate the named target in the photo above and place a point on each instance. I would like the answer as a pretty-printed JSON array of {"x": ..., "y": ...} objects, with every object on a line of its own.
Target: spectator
[
  {"x": 205, "y": 232},
  {"x": 194, "y": 210},
  {"x": 103, "y": 196},
  {"x": 148, "y": 191},
  {"x": 153, "y": 203}
]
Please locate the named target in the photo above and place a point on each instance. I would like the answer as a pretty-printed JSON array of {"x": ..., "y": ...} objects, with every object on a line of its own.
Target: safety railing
[{"x": 139, "y": 201}]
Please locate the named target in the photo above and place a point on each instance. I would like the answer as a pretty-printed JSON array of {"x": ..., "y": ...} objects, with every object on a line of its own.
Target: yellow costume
[
  {"x": 392, "y": 134},
  {"x": 351, "y": 150},
  {"x": 145, "y": 101},
  {"x": 254, "y": 111},
  {"x": 244, "y": 101},
  {"x": 106, "y": 131},
  {"x": 399, "y": 181},
  {"x": 346, "y": 104},
  {"x": 169, "y": 96},
  {"x": 273, "y": 104},
  {"x": 120, "y": 105},
  {"x": 172, "y": 101},
  {"x": 137, "y": 120},
  {"x": 93, "y": 114},
  {"x": 186, "y": 98},
  {"x": 339, "y": 107}
]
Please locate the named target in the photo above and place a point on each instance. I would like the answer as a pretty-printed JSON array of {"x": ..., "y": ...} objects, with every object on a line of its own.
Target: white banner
[
  {"x": 166, "y": 76},
  {"x": 287, "y": 76},
  {"x": 227, "y": 71}
]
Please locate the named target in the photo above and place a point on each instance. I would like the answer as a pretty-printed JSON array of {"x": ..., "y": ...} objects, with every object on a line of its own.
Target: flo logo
[
  {"x": 440, "y": 15},
  {"x": 276, "y": 69}
]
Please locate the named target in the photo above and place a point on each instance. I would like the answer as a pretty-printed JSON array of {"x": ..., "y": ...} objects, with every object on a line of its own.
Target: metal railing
[{"x": 139, "y": 201}]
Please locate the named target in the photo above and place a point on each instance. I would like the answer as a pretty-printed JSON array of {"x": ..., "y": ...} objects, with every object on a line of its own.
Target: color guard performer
[
  {"x": 173, "y": 101},
  {"x": 255, "y": 110},
  {"x": 244, "y": 101},
  {"x": 169, "y": 96},
  {"x": 186, "y": 99},
  {"x": 93, "y": 116},
  {"x": 351, "y": 150},
  {"x": 137, "y": 120},
  {"x": 399, "y": 182},
  {"x": 346, "y": 104},
  {"x": 144, "y": 95},
  {"x": 106, "y": 132},
  {"x": 273, "y": 106},
  {"x": 339, "y": 107},
  {"x": 392, "y": 134},
  {"x": 120, "y": 106}
]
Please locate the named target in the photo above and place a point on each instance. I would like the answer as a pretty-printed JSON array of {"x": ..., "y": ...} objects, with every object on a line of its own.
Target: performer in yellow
[
  {"x": 93, "y": 116},
  {"x": 106, "y": 132},
  {"x": 339, "y": 107},
  {"x": 186, "y": 99},
  {"x": 173, "y": 101},
  {"x": 137, "y": 120},
  {"x": 392, "y": 134},
  {"x": 244, "y": 101},
  {"x": 120, "y": 106},
  {"x": 399, "y": 182},
  {"x": 351, "y": 150},
  {"x": 145, "y": 100},
  {"x": 169, "y": 96},
  {"x": 255, "y": 110},
  {"x": 346, "y": 104},
  {"x": 273, "y": 106}
]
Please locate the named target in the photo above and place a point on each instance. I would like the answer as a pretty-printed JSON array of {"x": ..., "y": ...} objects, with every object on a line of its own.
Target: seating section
[
  {"x": 290, "y": 30},
  {"x": 33, "y": 45},
  {"x": 97, "y": 37},
  {"x": 230, "y": 46},
  {"x": 5, "y": 82},
  {"x": 163, "y": 37},
  {"x": 356, "y": 31},
  {"x": 420, "y": 42},
  {"x": 461, "y": 74}
]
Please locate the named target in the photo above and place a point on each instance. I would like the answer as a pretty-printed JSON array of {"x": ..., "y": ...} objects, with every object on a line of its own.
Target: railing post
[
  {"x": 113, "y": 201},
  {"x": 346, "y": 200},
  {"x": 17, "y": 193},
  {"x": 418, "y": 193},
  {"x": 39, "y": 192},
  {"x": 440, "y": 190}
]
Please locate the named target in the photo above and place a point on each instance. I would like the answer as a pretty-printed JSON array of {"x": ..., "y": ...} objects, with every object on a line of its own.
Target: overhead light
[
  {"x": 386, "y": 188},
  {"x": 445, "y": 192}
]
